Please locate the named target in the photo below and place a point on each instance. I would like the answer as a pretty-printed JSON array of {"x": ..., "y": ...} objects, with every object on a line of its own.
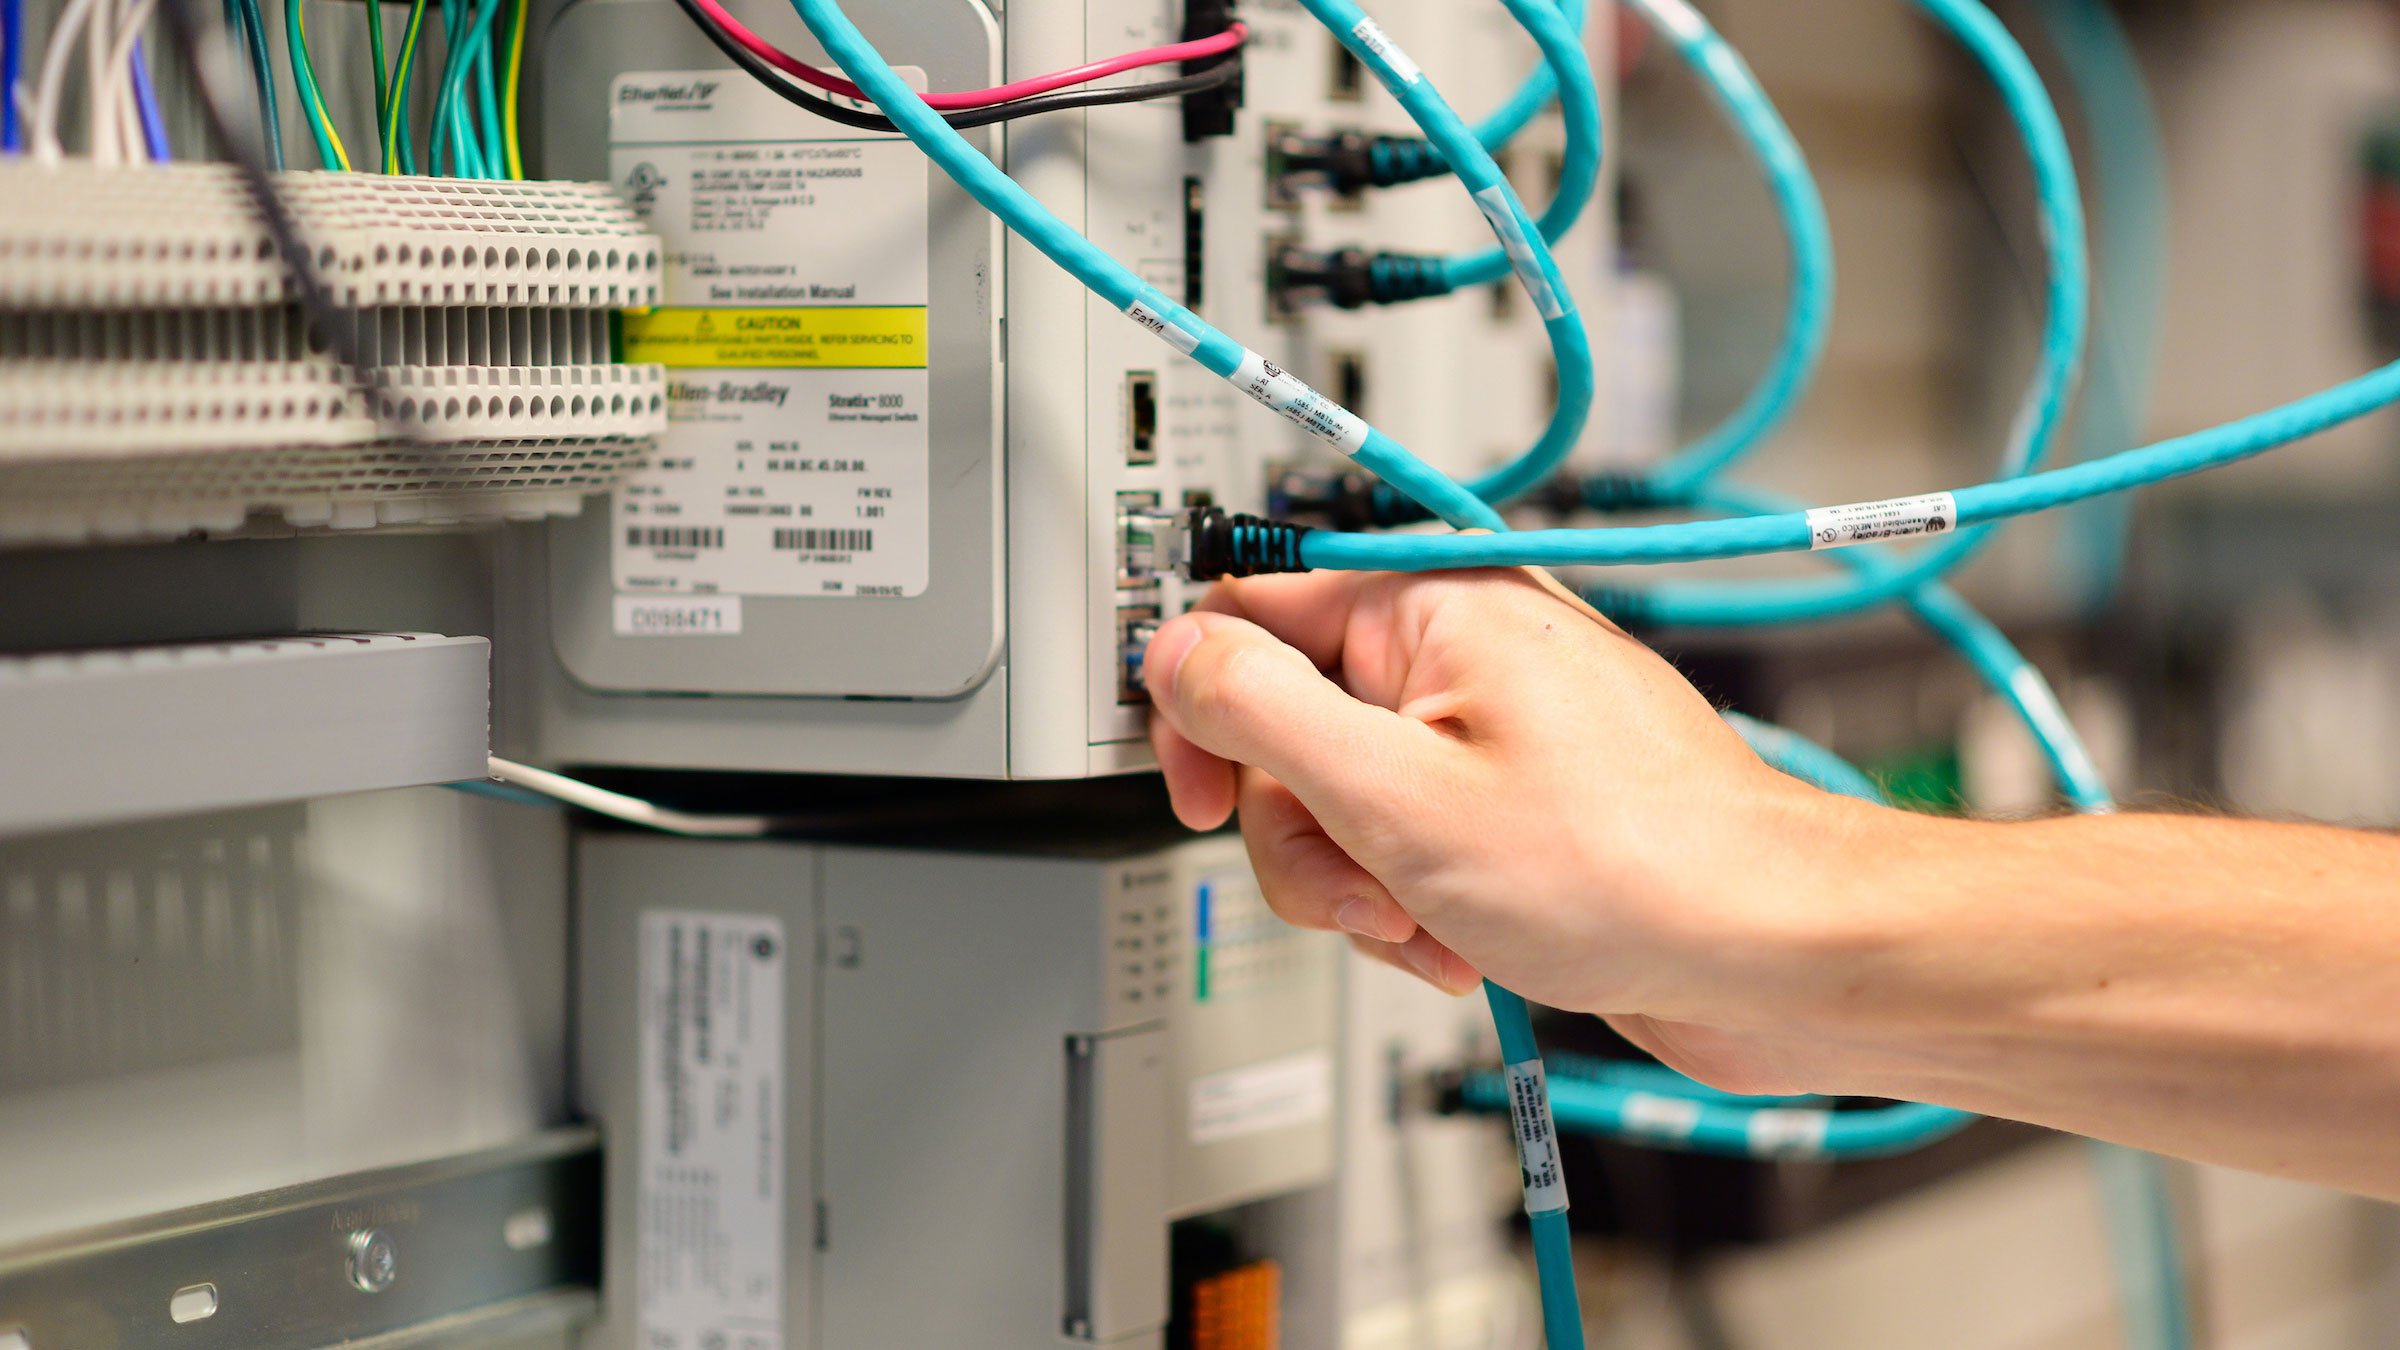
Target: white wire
[
  {"x": 103, "y": 136},
  {"x": 46, "y": 148},
  {"x": 631, "y": 810},
  {"x": 133, "y": 17}
]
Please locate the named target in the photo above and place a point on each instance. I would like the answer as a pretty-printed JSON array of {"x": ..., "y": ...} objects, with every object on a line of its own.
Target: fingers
[
  {"x": 1234, "y": 691},
  {"x": 1307, "y": 879},
  {"x": 1426, "y": 958}
]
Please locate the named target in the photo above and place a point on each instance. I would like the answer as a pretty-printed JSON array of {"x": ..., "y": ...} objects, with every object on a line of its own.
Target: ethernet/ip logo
[{"x": 676, "y": 96}]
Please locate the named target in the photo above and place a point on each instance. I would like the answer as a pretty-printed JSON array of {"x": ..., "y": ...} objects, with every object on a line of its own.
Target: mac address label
[
  {"x": 709, "y": 1247},
  {"x": 796, "y": 460}
]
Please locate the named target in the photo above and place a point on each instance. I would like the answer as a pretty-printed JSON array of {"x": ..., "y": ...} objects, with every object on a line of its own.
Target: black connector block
[
  {"x": 1211, "y": 112},
  {"x": 1219, "y": 544}
]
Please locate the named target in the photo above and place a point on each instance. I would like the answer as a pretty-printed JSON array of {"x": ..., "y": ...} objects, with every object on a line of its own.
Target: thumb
[{"x": 1236, "y": 691}]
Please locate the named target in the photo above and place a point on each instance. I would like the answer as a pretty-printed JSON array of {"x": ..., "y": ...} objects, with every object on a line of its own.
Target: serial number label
[{"x": 697, "y": 616}]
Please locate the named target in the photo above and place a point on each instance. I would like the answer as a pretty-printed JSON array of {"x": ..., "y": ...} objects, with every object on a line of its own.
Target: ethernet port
[
  {"x": 1136, "y": 625},
  {"x": 1141, "y": 417},
  {"x": 1142, "y": 560}
]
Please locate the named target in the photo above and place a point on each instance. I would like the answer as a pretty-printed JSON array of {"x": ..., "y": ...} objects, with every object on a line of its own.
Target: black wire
[
  {"x": 1219, "y": 72},
  {"x": 233, "y": 124}
]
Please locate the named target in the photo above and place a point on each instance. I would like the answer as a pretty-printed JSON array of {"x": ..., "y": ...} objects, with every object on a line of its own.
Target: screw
[{"x": 374, "y": 1261}]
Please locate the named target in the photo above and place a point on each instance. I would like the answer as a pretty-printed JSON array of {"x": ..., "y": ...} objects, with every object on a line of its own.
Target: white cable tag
[
  {"x": 1788, "y": 1134},
  {"x": 1168, "y": 331},
  {"x": 1290, "y": 395},
  {"x": 1537, "y": 1139},
  {"x": 1871, "y": 522},
  {"x": 1661, "y": 1117},
  {"x": 1494, "y": 204},
  {"x": 1379, "y": 42}
]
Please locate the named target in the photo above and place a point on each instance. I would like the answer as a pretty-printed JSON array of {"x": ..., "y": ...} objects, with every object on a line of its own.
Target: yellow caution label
[{"x": 806, "y": 338}]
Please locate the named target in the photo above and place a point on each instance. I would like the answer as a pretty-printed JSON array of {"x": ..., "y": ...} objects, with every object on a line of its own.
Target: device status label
[
  {"x": 709, "y": 1265},
  {"x": 797, "y": 455}
]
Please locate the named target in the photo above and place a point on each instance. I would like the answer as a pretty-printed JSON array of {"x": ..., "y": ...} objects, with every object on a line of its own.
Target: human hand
[{"x": 1474, "y": 774}]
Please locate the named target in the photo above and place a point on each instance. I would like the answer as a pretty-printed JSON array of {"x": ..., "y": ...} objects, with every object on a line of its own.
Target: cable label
[
  {"x": 1168, "y": 331},
  {"x": 1873, "y": 522},
  {"x": 1537, "y": 1139},
  {"x": 1288, "y": 394},
  {"x": 1781, "y": 1133},
  {"x": 1494, "y": 204},
  {"x": 1396, "y": 65},
  {"x": 1661, "y": 1117}
]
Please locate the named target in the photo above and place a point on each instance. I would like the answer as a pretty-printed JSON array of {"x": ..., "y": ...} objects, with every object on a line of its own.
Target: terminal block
[{"x": 161, "y": 378}]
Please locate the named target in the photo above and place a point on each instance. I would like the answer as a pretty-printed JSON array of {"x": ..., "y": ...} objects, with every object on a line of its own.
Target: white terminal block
[
  {"x": 160, "y": 377},
  {"x": 77, "y": 235}
]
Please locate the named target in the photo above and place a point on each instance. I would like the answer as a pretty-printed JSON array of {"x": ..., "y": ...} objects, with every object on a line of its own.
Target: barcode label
[
  {"x": 674, "y": 536},
  {"x": 826, "y": 540}
]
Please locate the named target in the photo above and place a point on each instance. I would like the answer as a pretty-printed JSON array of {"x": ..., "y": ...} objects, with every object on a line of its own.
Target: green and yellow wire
[
  {"x": 511, "y": 145},
  {"x": 330, "y": 150},
  {"x": 395, "y": 133}
]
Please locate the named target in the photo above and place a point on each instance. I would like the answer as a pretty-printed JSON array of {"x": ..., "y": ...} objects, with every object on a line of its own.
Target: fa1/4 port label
[
  {"x": 782, "y": 483},
  {"x": 794, "y": 331}
]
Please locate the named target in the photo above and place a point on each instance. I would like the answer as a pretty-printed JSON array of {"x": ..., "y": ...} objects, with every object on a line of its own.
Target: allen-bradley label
[
  {"x": 1873, "y": 522},
  {"x": 796, "y": 459}
]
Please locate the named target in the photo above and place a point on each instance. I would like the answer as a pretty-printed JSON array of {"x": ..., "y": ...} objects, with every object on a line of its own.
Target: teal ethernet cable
[
  {"x": 1399, "y": 160},
  {"x": 1834, "y": 527},
  {"x": 2128, "y": 177},
  {"x": 1521, "y": 241},
  {"x": 1803, "y": 758},
  {"x": 1570, "y": 66},
  {"x": 2063, "y": 336},
  {"x": 1141, "y": 302},
  {"x": 1808, "y": 240},
  {"x": 1730, "y": 1126}
]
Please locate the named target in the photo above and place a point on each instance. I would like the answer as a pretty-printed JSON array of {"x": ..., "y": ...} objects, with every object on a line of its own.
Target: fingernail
[
  {"x": 1370, "y": 917},
  {"x": 1427, "y": 961},
  {"x": 1164, "y": 660}
]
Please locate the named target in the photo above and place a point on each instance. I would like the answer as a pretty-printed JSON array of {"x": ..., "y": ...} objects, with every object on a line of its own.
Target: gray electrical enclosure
[{"x": 1002, "y": 1077}]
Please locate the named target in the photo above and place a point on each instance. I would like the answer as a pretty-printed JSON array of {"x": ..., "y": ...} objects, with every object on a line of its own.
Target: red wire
[{"x": 1174, "y": 53}]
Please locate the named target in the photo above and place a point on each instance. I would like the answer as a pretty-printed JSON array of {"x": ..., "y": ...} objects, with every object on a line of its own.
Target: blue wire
[
  {"x": 12, "y": 70},
  {"x": 2129, "y": 178},
  {"x": 1808, "y": 321},
  {"x": 145, "y": 98},
  {"x": 1558, "y": 33},
  {"x": 2063, "y": 336}
]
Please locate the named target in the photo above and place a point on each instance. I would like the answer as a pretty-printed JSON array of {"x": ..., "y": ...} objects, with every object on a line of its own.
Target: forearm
[{"x": 2215, "y": 989}]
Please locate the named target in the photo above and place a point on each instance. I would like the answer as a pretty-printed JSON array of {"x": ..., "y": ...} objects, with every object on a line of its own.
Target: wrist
[{"x": 1817, "y": 932}]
